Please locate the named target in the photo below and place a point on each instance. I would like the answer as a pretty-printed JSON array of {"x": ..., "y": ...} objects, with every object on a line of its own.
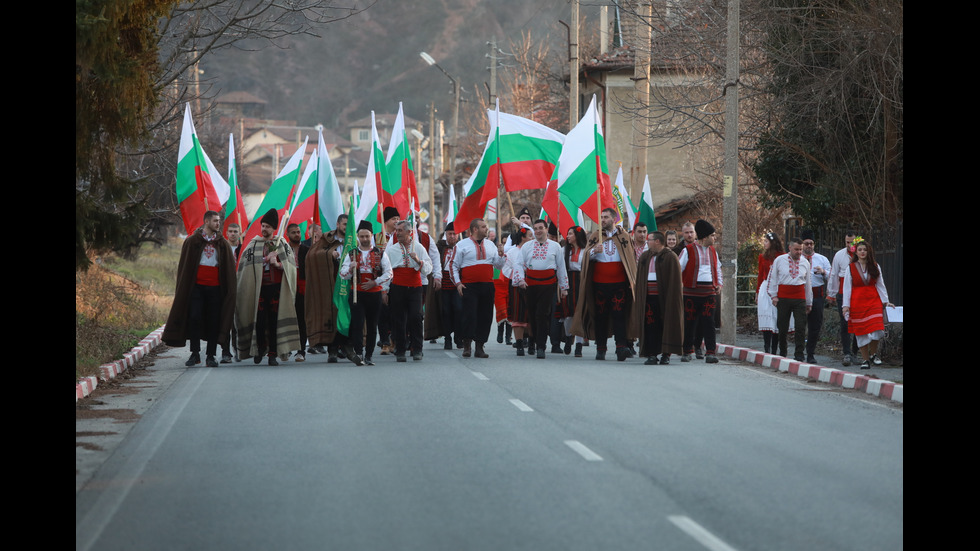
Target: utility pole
[
  {"x": 573, "y": 68},
  {"x": 729, "y": 250},
  {"x": 493, "y": 105},
  {"x": 641, "y": 91}
]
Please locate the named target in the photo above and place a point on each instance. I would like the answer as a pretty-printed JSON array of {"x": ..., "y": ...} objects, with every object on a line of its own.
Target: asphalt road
[{"x": 504, "y": 453}]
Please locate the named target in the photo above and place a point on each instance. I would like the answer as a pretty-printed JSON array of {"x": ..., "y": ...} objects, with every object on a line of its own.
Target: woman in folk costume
[
  {"x": 575, "y": 241},
  {"x": 265, "y": 312},
  {"x": 517, "y": 314},
  {"x": 865, "y": 297},
  {"x": 766, "y": 312}
]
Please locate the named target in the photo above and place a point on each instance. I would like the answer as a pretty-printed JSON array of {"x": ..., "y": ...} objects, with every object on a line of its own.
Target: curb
[
  {"x": 108, "y": 371},
  {"x": 837, "y": 377}
]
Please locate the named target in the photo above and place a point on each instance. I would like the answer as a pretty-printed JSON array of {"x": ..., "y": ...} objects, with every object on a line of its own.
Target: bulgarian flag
[
  {"x": 279, "y": 195},
  {"x": 527, "y": 150},
  {"x": 199, "y": 186},
  {"x": 370, "y": 206},
  {"x": 453, "y": 208},
  {"x": 524, "y": 153},
  {"x": 343, "y": 287},
  {"x": 627, "y": 213},
  {"x": 329, "y": 202},
  {"x": 482, "y": 185},
  {"x": 234, "y": 207},
  {"x": 400, "y": 190},
  {"x": 302, "y": 206},
  {"x": 645, "y": 212},
  {"x": 581, "y": 179}
]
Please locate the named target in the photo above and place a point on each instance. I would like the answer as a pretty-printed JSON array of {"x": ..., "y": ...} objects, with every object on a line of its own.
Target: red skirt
[
  {"x": 867, "y": 314},
  {"x": 500, "y": 295}
]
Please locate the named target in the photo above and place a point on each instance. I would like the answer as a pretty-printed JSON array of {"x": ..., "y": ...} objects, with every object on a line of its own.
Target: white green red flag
[
  {"x": 370, "y": 206},
  {"x": 199, "y": 186},
  {"x": 400, "y": 190},
  {"x": 234, "y": 207},
  {"x": 280, "y": 193},
  {"x": 329, "y": 201},
  {"x": 520, "y": 151},
  {"x": 627, "y": 212},
  {"x": 453, "y": 208},
  {"x": 528, "y": 152},
  {"x": 343, "y": 287},
  {"x": 645, "y": 213},
  {"x": 581, "y": 179},
  {"x": 302, "y": 206}
]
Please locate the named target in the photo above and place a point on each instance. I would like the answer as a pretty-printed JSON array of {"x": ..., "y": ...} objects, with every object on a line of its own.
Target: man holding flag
[
  {"x": 322, "y": 314},
  {"x": 372, "y": 271},
  {"x": 410, "y": 265},
  {"x": 265, "y": 314}
]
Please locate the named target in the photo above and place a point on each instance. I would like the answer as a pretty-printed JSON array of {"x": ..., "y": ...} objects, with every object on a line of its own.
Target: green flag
[{"x": 342, "y": 288}]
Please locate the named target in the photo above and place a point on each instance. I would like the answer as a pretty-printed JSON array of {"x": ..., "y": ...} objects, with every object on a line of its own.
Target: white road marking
[
  {"x": 520, "y": 405},
  {"x": 450, "y": 354},
  {"x": 699, "y": 533},
  {"x": 585, "y": 452},
  {"x": 480, "y": 376}
]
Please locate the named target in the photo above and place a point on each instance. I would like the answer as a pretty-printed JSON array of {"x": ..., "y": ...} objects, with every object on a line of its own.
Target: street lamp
[{"x": 456, "y": 89}]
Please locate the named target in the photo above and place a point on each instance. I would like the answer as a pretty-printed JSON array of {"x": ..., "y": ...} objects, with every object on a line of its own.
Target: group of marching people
[{"x": 274, "y": 297}]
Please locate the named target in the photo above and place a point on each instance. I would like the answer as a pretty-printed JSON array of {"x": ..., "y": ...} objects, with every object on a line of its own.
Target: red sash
[
  {"x": 208, "y": 276},
  {"x": 609, "y": 272},
  {"x": 791, "y": 291},
  {"x": 406, "y": 277},
  {"x": 364, "y": 278},
  {"x": 541, "y": 277},
  {"x": 478, "y": 273}
]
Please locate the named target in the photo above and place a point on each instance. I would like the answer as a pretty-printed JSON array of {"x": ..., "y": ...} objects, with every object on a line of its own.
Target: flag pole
[{"x": 357, "y": 268}]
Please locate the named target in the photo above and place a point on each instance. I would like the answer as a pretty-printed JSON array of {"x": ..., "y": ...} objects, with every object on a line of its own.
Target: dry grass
[{"x": 112, "y": 314}]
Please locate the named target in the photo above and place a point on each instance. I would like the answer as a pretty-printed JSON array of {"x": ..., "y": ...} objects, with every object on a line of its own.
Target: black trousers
[
  {"x": 814, "y": 323},
  {"x": 477, "y": 311},
  {"x": 204, "y": 317},
  {"x": 267, "y": 318},
  {"x": 301, "y": 320},
  {"x": 785, "y": 308},
  {"x": 540, "y": 299},
  {"x": 364, "y": 322},
  {"x": 653, "y": 327},
  {"x": 451, "y": 308},
  {"x": 405, "y": 305},
  {"x": 610, "y": 307},
  {"x": 699, "y": 322}
]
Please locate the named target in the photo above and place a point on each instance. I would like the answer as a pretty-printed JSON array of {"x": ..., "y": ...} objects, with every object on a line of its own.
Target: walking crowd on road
[{"x": 653, "y": 295}]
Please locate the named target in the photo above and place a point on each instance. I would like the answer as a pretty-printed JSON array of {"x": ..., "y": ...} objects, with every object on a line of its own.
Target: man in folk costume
[
  {"x": 540, "y": 270},
  {"x": 820, "y": 272},
  {"x": 233, "y": 233},
  {"x": 299, "y": 248},
  {"x": 373, "y": 275},
  {"x": 410, "y": 266},
  {"x": 391, "y": 217},
  {"x": 606, "y": 298},
  {"x": 322, "y": 264},
  {"x": 471, "y": 268},
  {"x": 522, "y": 220},
  {"x": 701, "y": 274},
  {"x": 266, "y": 312},
  {"x": 658, "y": 302},
  {"x": 450, "y": 303},
  {"x": 791, "y": 294},
  {"x": 204, "y": 301},
  {"x": 835, "y": 291}
]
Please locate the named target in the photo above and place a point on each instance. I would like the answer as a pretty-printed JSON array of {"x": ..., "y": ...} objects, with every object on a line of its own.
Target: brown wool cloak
[
  {"x": 321, "y": 277},
  {"x": 249, "y": 286},
  {"x": 583, "y": 323},
  {"x": 175, "y": 332},
  {"x": 432, "y": 323},
  {"x": 670, "y": 291}
]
